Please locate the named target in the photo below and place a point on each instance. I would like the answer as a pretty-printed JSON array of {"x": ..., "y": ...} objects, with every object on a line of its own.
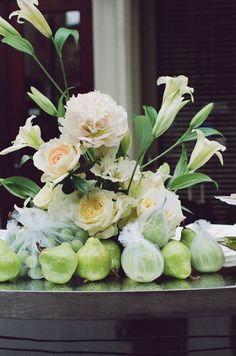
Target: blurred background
[{"x": 125, "y": 45}]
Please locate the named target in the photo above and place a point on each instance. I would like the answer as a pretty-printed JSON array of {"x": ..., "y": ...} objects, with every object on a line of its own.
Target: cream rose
[
  {"x": 99, "y": 213},
  {"x": 56, "y": 159},
  {"x": 95, "y": 120}
]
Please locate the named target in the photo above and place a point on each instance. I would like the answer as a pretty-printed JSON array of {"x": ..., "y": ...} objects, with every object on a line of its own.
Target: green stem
[
  {"x": 62, "y": 68},
  {"x": 131, "y": 179},
  {"x": 47, "y": 74},
  {"x": 167, "y": 150}
]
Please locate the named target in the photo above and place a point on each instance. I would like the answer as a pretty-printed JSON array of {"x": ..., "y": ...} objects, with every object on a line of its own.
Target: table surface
[{"x": 205, "y": 295}]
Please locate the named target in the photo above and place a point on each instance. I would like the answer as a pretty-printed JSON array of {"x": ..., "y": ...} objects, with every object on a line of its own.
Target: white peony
[
  {"x": 95, "y": 120},
  {"x": 56, "y": 159}
]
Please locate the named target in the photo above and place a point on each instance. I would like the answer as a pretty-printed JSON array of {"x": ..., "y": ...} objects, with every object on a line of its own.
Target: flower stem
[
  {"x": 62, "y": 68},
  {"x": 48, "y": 75},
  {"x": 167, "y": 150}
]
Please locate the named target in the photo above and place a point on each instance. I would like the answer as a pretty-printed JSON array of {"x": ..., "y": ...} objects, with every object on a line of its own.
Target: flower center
[
  {"x": 149, "y": 203},
  {"x": 91, "y": 208},
  {"x": 57, "y": 153}
]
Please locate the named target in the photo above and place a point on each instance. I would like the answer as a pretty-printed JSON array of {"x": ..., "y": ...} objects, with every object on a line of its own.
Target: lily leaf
[
  {"x": 188, "y": 180},
  {"x": 21, "y": 187},
  {"x": 208, "y": 131},
  {"x": 62, "y": 35},
  {"x": 181, "y": 166},
  {"x": 151, "y": 113},
  {"x": 20, "y": 44},
  {"x": 143, "y": 130}
]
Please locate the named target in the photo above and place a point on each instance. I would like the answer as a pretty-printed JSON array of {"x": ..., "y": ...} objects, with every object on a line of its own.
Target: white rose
[
  {"x": 100, "y": 212},
  {"x": 56, "y": 159},
  {"x": 95, "y": 120},
  {"x": 96, "y": 212}
]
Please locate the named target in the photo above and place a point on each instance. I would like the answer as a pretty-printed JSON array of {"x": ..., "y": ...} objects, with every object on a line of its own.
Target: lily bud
[
  {"x": 42, "y": 101},
  {"x": 203, "y": 151},
  {"x": 7, "y": 29},
  {"x": 29, "y": 12}
]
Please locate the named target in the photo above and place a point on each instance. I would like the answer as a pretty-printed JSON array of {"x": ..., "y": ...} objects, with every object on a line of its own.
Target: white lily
[
  {"x": 203, "y": 151},
  {"x": 173, "y": 84},
  {"x": 29, "y": 12},
  {"x": 44, "y": 196},
  {"x": 28, "y": 136},
  {"x": 173, "y": 102},
  {"x": 7, "y": 29}
]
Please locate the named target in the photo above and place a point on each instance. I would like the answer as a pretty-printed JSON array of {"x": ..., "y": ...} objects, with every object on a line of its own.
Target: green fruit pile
[{"x": 93, "y": 260}]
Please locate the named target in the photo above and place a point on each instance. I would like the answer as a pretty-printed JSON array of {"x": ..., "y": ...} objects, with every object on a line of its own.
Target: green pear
[
  {"x": 115, "y": 253},
  {"x": 94, "y": 261},
  {"x": 187, "y": 236},
  {"x": 176, "y": 260},
  {"x": 9, "y": 262},
  {"x": 58, "y": 263},
  {"x": 76, "y": 244}
]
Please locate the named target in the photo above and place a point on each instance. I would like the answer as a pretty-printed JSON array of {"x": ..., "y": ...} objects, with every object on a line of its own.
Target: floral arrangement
[{"x": 100, "y": 211}]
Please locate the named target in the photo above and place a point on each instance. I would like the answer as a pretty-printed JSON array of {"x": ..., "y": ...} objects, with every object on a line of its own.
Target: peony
[
  {"x": 100, "y": 212},
  {"x": 95, "y": 120},
  {"x": 56, "y": 159}
]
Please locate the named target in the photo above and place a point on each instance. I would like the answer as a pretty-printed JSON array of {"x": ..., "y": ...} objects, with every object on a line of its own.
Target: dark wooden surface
[{"x": 208, "y": 296}]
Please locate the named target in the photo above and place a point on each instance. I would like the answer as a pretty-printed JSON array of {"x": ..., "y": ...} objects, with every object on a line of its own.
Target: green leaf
[
  {"x": 20, "y": 44},
  {"x": 201, "y": 116},
  {"x": 62, "y": 35},
  {"x": 208, "y": 131},
  {"x": 188, "y": 180},
  {"x": 80, "y": 184},
  {"x": 21, "y": 187},
  {"x": 24, "y": 159},
  {"x": 61, "y": 108},
  {"x": 143, "y": 131},
  {"x": 181, "y": 166},
  {"x": 151, "y": 113}
]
